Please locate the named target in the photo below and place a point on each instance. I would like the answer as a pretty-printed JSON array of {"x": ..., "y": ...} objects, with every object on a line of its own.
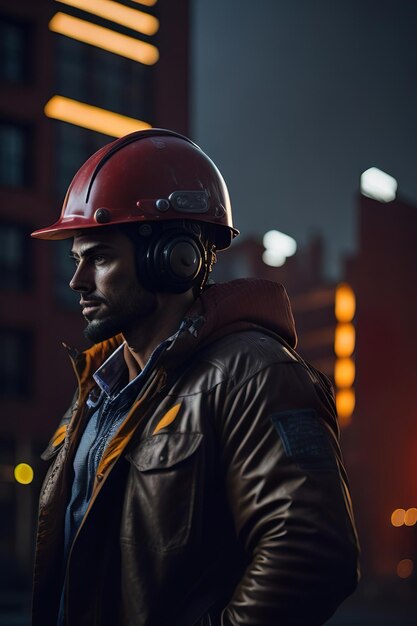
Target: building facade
[
  {"x": 73, "y": 75},
  {"x": 381, "y": 442}
]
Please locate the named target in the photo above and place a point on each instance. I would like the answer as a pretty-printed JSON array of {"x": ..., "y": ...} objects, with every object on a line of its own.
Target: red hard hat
[{"x": 151, "y": 175}]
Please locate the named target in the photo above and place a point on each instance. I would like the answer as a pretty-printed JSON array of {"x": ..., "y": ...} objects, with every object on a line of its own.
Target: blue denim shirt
[{"x": 111, "y": 401}]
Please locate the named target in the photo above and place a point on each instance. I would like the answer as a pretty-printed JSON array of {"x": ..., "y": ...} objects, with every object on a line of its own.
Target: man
[{"x": 196, "y": 478}]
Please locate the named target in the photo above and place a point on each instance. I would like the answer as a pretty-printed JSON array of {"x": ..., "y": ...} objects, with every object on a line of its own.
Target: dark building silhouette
[
  {"x": 381, "y": 442},
  {"x": 368, "y": 351},
  {"x": 40, "y": 68}
]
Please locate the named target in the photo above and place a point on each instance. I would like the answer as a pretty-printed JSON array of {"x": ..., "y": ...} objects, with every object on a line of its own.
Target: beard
[{"x": 120, "y": 318}]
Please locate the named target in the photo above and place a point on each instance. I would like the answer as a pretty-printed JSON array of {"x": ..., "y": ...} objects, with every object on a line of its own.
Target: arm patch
[{"x": 305, "y": 439}]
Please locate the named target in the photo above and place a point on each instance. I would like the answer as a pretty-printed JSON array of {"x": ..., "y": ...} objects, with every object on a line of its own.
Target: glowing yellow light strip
[
  {"x": 345, "y": 303},
  {"x": 345, "y": 405},
  {"x": 146, "y": 3},
  {"x": 344, "y": 372},
  {"x": 125, "y": 16},
  {"x": 91, "y": 117},
  {"x": 104, "y": 38}
]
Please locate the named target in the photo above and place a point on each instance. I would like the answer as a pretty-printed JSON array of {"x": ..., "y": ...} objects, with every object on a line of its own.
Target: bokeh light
[
  {"x": 410, "y": 517},
  {"x": 278, "y": 247},
  {"x": 405, "y": 568},
  {"x": 23, "y": 473},
  {"x": 345, "y": 303},
  {"x": 398, "y": 517},
  {"x": 344, "y": 340},
  {"x": 345, "y": 404},
  {"x": 344, "y": 372},
  {"x": 378, "y": 185}
]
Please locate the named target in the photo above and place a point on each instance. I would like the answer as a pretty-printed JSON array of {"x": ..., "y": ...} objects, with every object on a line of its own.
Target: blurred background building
[{"x": 73, "y": 75}]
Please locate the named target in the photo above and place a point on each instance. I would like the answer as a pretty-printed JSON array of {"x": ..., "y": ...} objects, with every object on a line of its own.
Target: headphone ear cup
[{"x": 171, "y": 262}]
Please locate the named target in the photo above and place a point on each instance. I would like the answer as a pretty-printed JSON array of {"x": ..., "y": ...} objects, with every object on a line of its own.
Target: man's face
[{"x": 111, "y": 297}]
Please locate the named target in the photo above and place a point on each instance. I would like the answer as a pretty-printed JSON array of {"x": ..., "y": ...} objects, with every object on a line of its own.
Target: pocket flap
[{"x": 164, "y": 450}]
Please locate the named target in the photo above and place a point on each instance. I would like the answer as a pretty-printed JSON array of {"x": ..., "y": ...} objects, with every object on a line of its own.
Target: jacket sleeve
[{"x": 289, "y": 498}]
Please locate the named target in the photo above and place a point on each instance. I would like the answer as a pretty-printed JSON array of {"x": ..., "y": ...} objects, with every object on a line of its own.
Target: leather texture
[{"x": 233, "y": 514}]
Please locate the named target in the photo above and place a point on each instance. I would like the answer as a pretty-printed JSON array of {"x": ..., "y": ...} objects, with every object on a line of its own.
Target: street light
[
  {"x": 278, "y": 247},
  {"x": 378, "y": 185}
]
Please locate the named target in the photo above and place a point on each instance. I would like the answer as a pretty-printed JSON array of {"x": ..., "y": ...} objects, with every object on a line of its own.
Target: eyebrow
[{"x": 89, "y": 251}]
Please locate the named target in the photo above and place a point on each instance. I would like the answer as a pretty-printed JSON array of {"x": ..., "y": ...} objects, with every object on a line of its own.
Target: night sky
[{"x": 294, "y": 99}]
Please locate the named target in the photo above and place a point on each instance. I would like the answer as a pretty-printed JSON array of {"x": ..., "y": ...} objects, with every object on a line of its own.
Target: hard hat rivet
[
  {"x": 102, "y": 216},
  {"x": 162, "y": 204},
  {"x": 219, "y": 212}
]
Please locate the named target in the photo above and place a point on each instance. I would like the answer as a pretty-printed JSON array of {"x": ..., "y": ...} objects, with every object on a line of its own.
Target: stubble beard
[{"x": 120, "y": 319}]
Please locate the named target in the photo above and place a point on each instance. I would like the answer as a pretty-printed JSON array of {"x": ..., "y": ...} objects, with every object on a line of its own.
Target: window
[
  {"x": 109, "y": 79},
  {"x": 74, "y": 146},
  {"x": 15, "y": 155},
  {"x": 16, "y": 348},
  {"x": 15, "y": 257},
  {"x": 120, "y": 85},
  {"x": 15, "y": 46},
  {"x": 102, "y": 79},
  {"x": 72, "y": 80}
]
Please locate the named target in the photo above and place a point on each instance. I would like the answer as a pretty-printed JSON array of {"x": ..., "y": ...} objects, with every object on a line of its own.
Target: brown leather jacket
[{"x": 222, "y": 499}]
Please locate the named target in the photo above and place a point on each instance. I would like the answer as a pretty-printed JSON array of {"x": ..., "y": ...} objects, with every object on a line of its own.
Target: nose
[{"x": 81, "y": 280}]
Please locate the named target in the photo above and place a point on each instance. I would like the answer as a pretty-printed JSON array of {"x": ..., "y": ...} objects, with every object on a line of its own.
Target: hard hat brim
[{"x": 59, "y": 231}]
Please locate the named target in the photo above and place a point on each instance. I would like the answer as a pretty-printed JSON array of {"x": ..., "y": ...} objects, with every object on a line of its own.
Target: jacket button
[{"x": 100, "y": 477}]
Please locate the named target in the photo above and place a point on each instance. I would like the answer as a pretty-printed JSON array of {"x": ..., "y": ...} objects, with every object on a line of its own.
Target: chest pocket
[{"x": 160, "y": 498}]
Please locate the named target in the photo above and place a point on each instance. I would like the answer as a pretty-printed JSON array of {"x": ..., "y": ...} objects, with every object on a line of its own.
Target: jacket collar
[{"x": 243, "y": 304}]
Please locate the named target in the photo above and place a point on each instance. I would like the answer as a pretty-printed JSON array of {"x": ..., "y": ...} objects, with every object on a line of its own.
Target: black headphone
[{"x": 170, "y": 258}]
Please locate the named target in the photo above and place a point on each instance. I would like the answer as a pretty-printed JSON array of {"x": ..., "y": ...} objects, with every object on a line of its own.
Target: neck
[{"x": 142, "y": 340}]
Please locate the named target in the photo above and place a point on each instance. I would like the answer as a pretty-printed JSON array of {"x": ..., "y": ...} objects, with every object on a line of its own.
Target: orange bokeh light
[
  {"x": 344, "y": 372},
  {"x": 345, "y": 403},
  {"x": 116, "y": 12},
  {"x": 104, "y": 38},
  {"x": 405, "y": 568},
  {"x": 398, "y": 517},
  {"x": 344, "y": 340},
  {"x": 345, "y": 303},
  {"x": 91, "y": 117},
  {"x": 410, "y": 517}
]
